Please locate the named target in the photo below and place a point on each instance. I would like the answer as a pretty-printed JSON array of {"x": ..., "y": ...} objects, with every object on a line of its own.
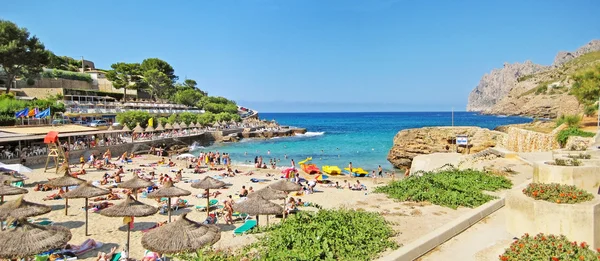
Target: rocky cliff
[
  {"x": 413, "y": 142},
  {"x": 512, "y": 90}
]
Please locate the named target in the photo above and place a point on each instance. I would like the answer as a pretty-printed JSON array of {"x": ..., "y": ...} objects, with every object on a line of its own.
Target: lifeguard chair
[{"x": 55, "y": 151}]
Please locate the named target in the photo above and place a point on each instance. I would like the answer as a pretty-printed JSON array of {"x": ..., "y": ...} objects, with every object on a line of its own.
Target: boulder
[{"x": 413, "y": 142}]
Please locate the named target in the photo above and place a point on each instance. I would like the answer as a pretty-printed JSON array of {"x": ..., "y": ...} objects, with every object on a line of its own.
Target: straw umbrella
[
  {"x": 86, "y": 191},
  {"x": 183, "y": 125},
  {"x": 176, "y": 126},
  {"x": 160, "y": 127},
  {"x": 150, "y": 129},
  {"x": 267, "y": 193},
  {"x": 192, "y": 125},
  {"x": 65, "y": 181},
  {"x": 138, "y": 128},
  {"x": 257, "y": 206},
  {"x": 9, "y": 178},
  {"x": 182, "y": 235},
  {"x": 21, "y": 208},
  {"x": 169, "y": 191},
  {"x": 287, "y": 187},
  {"x": 135, "y": 183},
  {"x": 168, "y": 126},
  {"x": 208, "y": 183},
  {"x": 129, "y": 208},
  {"x": 125, "y": 128},
  {"x": 27, "y": 239},
  {"x": 8, "y": 190}
]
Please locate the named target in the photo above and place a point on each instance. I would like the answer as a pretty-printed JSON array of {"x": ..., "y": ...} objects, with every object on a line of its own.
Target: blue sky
[{"x": 316, "y": 55}]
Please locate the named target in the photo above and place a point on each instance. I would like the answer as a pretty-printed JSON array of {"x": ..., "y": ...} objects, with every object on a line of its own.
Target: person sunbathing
[
  {"x": 151, "y": 256},
  {"x": 248, "y": 173},
  {"x": 99, "y": 206},
  {"x": 80, "y": 172},
  {"x": 291, "y": 206},
  {"x": 171, "y": 163},
  {"x": 42, "y": 187},
  {"x": 55, "y": 196},
  {"x": 106, "y": 256},
  {"x": 87, "y": 245},
  {"x": 358, "y": 186},
  {"x": 111, "y": 196},
  {"x": 214, "y": 194}
]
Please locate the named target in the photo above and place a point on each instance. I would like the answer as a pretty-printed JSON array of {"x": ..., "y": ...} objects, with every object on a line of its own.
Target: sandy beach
[{"x": 409, "y": 220}]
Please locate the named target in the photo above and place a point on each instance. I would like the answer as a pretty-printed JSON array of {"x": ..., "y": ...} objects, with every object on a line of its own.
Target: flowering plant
[
  {"x": 557, "y": 193},
  {"x": 548, "y": 247}
]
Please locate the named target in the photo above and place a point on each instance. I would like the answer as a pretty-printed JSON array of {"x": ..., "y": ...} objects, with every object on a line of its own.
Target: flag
[
  {"x": 22, "y": 113},
  {"x": 150, "y": 122},
  {"x": 43, "y": 114},
  {"x": 33, "y": 112}
]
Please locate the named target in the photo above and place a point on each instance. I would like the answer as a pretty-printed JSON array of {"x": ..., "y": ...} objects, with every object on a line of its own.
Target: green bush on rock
[
  {"x": 450, "y": 188},
  {"x": 564, "y": 135}
]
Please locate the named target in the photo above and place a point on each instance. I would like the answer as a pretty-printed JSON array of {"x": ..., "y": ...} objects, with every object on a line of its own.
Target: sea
[{"x": 363, "y": 138}]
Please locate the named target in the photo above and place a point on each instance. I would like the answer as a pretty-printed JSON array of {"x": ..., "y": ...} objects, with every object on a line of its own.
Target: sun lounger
[
  {"x": 211, "y": 203},
  {"x": 116, "y": 257},
  {"x": 249, "y": 224},
  {"x": 18, "y": 184}
]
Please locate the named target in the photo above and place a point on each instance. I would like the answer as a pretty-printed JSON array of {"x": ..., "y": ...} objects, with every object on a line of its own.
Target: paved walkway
[{"x": 536, "y": 156}]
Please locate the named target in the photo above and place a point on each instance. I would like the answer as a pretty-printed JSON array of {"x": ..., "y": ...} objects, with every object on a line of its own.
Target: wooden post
[
  {"x": 207, "y": 203},
  {"x": 169, "y": 208},
  {"x": 128, "y": 236},
  {"x": 86, "y": 217},
  {"x": 66, "y": 202}
]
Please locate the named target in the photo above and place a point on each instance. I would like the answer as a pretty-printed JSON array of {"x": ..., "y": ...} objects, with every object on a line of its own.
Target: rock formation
[
  {"x": 413, "y": 142},
  {"x": 507, "y": 90}
]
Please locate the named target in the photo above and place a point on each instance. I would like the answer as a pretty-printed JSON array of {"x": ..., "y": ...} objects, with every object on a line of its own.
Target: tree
[
  {"x": 188, "y": 97},
  {"x": 157, "y": 82},
  {"x": 205, "y": 118},
  {"x": 587, "y": 85},
  {"x": 132, "y": 118},
  {"x": 21, "y": 55},
  {"x": 159, "y": 65},
  {"x": 125, "y": 75},
  {"x": 187, "y": 117}
]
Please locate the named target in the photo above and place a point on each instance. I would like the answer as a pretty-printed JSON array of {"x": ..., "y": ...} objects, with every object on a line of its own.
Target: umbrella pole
[
  {"x": 208, "y": 203},
  {"x": 86, "y": 234},
  {"x": 66, "y": 202},
  {"x": 257, "y": 224},
  {"x": 284, "y": 206},
  {"x": 267, "y": 220},
  {"x": 128, "y": 235},
  {"x": 2, "y": 200},
  {"x": 169, "y": 208}
]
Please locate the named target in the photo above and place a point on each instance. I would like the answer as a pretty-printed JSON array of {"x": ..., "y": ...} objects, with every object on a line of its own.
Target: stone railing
[{"x": 522, "y": 140}]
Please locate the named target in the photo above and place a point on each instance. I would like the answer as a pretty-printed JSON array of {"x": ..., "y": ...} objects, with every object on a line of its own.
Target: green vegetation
[
  {"x": 54, "y": 73},
  {"x": 9, "y": 106},
  {"x": 564, "y": 135},
  {"x": 548, "y": 247},
  {"x": 21, "y": 55},
  {"x": 572, "y": 121},
  {"x": 567, "y": 162},
  {"x": 587, "y": 85},
  {"x": 64, "y": 63},
  {"x": 590, "y": 110},
  {"x": 541, "y": 88},
  {"x": 580, "y": 156},
  {"x": 132, "y": 118},
  {"x": 525, "y": 77},
  {"x": 451, "y": 188},
  {"x": 557, "y": 193}
]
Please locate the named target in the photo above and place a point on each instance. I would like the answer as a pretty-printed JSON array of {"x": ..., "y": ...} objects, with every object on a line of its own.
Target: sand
[{"x": 409, "y": 220}]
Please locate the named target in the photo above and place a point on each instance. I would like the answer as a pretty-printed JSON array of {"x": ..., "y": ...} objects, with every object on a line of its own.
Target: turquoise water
[{"x": 338, "y": 138}]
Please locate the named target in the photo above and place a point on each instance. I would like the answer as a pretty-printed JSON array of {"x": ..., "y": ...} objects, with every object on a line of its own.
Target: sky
[{"x": 316, "y": 55}]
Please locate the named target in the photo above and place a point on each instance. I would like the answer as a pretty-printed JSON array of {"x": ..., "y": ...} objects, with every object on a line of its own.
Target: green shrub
[
  {"x": 564, "y": 135},
  {"x": 7, "y": 120},
  {"x": 525, "y": 78},
  {"x": 541, "y": 89},
  {"x": 590, "y": 110},
  {"x": 570, "y": 120},
  {"x": 557, "y": 193},
  {"x": 548, "y": 247},
  {"x": 451, "y": 188},
  {"x": 66, "y": 75},
  {"x": 580, "y": 156},
  {"x": 567, "y": 162},
  {"x": 132, "y": 118},
  {"x": 327, "y": 235}
]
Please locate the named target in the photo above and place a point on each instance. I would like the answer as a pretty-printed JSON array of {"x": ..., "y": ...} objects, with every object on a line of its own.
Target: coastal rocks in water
[
  {"x": 413, "y": 142},
  {"x": 495, "y": 85},
  {"x": 178, "y": 149}
]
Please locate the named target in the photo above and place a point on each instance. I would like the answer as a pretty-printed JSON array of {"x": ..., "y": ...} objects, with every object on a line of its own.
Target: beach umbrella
[
  {"x": 321, "y": 177},
  {"x": 110, "y": 128},
  {"x": 182, "y": 235},
  {"x": 135, "y": 183},
  {"x": 125, "y": 128},
  {"x": 150, "y": 129},
  {"x": 216, "y": 124},
  {"x": 16, "y": 167},
  {"x": 168, "y": 126},
  {"x": 183, "y": 125},
  {"x": 267, "y": 193},
  {"x": 256, "y": 206},
  {"x": 65, "y": 181},
  {"x": 169, "y": 191},
  {"x": 160, "y": 127},
  {"x": 129, "y": 208},
  {"x": 8, "y": 190},
  {"x": 138, "y": 128},
  {"x": 185, "y": 156},
  {"x": 26, "y": 239},
  {"x": 192, "y": 125},
  {"x": 287, "y": 187},
  {"x": 86, "y": 191},
  {"x": 208, "y": 183},
  {"x": 21, "y": 208},
  {"x": 176, "y": 126},
  {"x": 7, "y": 178}
]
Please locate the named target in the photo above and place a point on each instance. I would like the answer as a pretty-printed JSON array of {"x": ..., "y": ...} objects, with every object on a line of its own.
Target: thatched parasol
[
  {"x": 183, "y": 235},
  {"x": 176, "y": 126},
  {"x": 258, "y": 206},
  {"x": 129, "y": 208},
  {"x": 21, "y": 208},
  {"x": 285, "y": 186},
  {"x": 86, "y": 191},
  {"x": 168, "y": 126},
  {"x": 65, "y": 181},
  {"x": 267, "y": 193},
  {"x": 208, "y": 183},
  {"x": 183, "y": 125},
  {"x": 135, "y": 183},
  {"x": 160, "y": 127},
  {"x": 169, "y": 191},
  {"x": 7, "y": 178},
  {"x": 125, "y": 128},
  {"x": 138, "y": 128},
  {"x": 8, "y": 190},
  {"x": 110, "y": 128},
  {"x": 150, "y": 129},
  {"x": 216, "y": 124},
  {"x": 27, "y": 239},
  {"x": 192, "y": 125}
]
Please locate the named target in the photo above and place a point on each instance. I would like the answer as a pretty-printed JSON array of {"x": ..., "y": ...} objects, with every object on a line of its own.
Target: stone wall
[
  {"x": 521, "y": 140},
  {"x": 42, "y": 93},
  {"x": 56, "y": 83}
]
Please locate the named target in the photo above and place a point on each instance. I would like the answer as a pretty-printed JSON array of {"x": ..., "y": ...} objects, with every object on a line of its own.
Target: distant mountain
[{"x": 518, "y": 89}]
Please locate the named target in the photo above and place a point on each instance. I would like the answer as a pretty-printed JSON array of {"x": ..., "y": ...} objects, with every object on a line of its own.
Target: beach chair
[
  {"x": 18, "y": 184},
  {"x": 211, "y": 203},
  {"x": 249, "y": 224},
  {"x": 115, "y": 257}
]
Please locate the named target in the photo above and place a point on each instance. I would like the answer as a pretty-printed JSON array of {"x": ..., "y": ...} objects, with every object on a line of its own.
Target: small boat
[
  {"x": 309, "y": 168},
  {"x": 332, "y": 170},
  {"x": 357, "y": 172}
]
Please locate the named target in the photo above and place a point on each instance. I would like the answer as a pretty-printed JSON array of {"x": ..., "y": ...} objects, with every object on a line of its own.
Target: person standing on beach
[
  {"x": 350, "y": 167},
  {"x": 380, "y": 170},
  {"x": 293, "y": 164},
  {"x": 374, "y": 176}
]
